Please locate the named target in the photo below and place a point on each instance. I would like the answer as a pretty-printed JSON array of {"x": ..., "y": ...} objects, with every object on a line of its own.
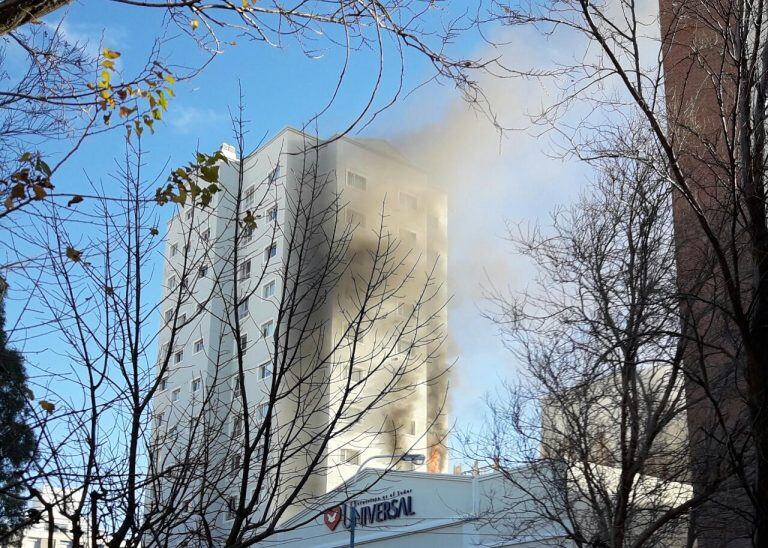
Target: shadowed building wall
[{"x": 698, "y": 41}]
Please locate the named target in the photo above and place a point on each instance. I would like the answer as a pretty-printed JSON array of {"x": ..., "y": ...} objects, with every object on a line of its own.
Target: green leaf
[
  {"x": 209, "y": 174},
  {"x": 47, "y": 406}
]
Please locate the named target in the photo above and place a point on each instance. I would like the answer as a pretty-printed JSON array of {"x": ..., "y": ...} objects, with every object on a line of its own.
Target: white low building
[{"x": 412, "y": 509}]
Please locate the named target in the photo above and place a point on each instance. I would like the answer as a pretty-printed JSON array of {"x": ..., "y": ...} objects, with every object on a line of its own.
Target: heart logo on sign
[{"x": 332, "y": 517}]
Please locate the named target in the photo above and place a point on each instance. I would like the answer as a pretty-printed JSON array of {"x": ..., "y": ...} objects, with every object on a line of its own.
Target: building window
[
  {"x": 244, "y": 272},
  {"x": 169, "y": 315},
  {"x": 236, "y": 384},
  {"x": 355, "y": 180},
  {"x": 37, "y": 542},
  {"x": 263, "y": 410},
  {"x": 350, "y": 456},
  {"x": 355, "y": 219},
  {"x": 272, "y": 214},
  {"x": 163, "y": 384},
  {"x": 265, "y": 370},
  {"x": 174, "y": 249},
  {"x": 405, "y": 310},
  {"x": 199, "y": 345},
  {"x": 274, "y": 175},
  {"x": 176, "y": 394},
  {"x": 242, "y": 309},
  {"x": 247, "y": 234},
  {"x": 189, "y": 214},
  {"x": 357, "y": 374},
  {"x": 164, "y": 350},
  {"x": 235, "y": 461},
  {"x": 270, "y": 252},
  {"x": 182, "y": 319},
  {"x": 409, "y": 201},
  {"x": 267, "y": 329},
  {"x": 250, "y": 196},
  {"x": 173, "y": 283},
  {"x": 206, "y": 235},
  {"x": 178, "y": 356},
  {"x": 243, "y": 344},
  {"x": 196, "y": 384},
  {"x": 237, "y": 426},
  {"x": 412, "y": 428},
  {"x": 202, "y": 272},
  {"x": 231, "y": 508},
  {"x": 160, "y": 419},
  {"x": 269, "y": 290}
]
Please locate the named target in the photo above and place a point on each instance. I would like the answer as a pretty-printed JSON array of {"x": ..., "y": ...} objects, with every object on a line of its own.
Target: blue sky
[{"x": 490, "y": 179}]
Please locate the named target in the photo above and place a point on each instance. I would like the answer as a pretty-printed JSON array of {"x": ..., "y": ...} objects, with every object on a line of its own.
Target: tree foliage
[{"x": 18, "y": 441}]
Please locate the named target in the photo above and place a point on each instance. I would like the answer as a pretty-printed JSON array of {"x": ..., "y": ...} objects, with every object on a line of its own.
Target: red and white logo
[{"x": 332, "y": 517}]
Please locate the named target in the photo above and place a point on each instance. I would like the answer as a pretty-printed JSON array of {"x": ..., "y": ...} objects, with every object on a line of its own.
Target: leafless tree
[
  {"x": 254, "y": 439},
  {"x": 69, "y": 94},
  {"x": 696, "y": 73},
  {"x": 593, "y": 442}
]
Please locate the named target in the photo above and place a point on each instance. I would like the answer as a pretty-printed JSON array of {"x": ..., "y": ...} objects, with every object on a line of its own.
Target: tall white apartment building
[{"x": 231, "y": 302}]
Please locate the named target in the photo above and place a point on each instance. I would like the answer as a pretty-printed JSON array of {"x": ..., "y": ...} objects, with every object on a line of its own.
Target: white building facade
[
  {"x": 223, "y": 335},
  {"x": 417, "y": 510}
]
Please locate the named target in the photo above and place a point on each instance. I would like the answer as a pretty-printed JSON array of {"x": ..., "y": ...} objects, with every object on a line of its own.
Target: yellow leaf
[
  {"x": 245, "y": 3},
  {"x": 47, "y": 406},
  {"x": 125, "y": 111},
  {"x": 168, "y": 78},
  {"x": 73, "y": 254},
  {"x": 107, "y": 64},
  {"x": 194, "y": 23},
  {"x": 110, "y": 54}
]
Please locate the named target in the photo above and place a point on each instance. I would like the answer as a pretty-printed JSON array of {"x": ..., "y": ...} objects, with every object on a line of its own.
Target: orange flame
[{"x": 436, "y": 459}]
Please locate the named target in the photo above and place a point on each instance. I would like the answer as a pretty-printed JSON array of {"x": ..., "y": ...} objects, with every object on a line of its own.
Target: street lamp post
[{"x": 415, "y": 458}]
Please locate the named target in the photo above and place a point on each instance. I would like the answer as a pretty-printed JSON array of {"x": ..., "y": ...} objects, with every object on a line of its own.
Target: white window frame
[
  {"x": 202, "y": 346},
  {"x": 244, "y": 270},
  {"x": 199, "y": 381},
  {"x": 349, "y": 456},
  {"x": 174, "y": 249},
  {"x": 175, "y": 394},
  {"x": 243, "y": 343},
  {"x": 268, "y": 252},
  {"x": 360, "y": 177},
  {"x": 242, "y": 310},
  {"x": 265, "y": 369},
  {"x": 263, "y": 410},
  {"x": 237, "y": 426},
  {"x": 270, "y": 323},
  {"x": 231, "y": 503},
  {"x": 249, "y": 195},
  {"x": 271, "y": 214},
  {"x": 270, "y": 284},
  {"x": 178, "y": 356}
]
